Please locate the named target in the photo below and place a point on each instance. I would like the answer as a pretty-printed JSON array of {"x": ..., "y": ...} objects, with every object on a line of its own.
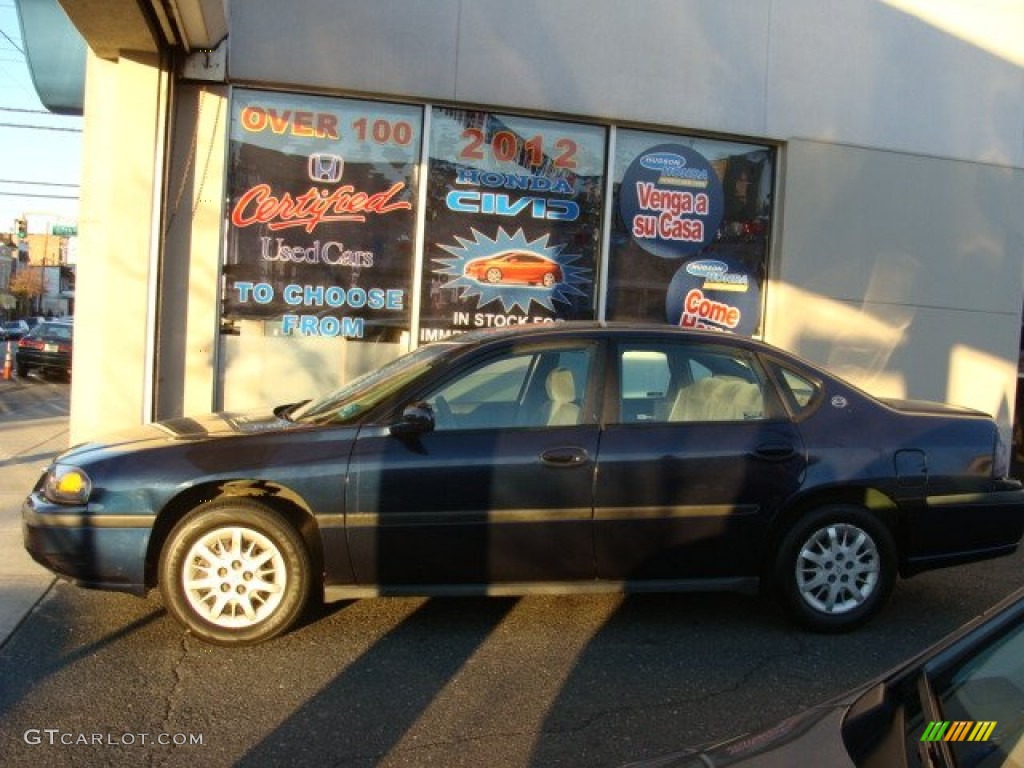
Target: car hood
[
  {"x": 813, "y": 737},
  {"x": 184, "y": 429},
  {"x": 816, "y": 735}
]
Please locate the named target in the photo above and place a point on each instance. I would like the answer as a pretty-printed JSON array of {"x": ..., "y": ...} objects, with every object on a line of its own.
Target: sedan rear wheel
[
  {"x": 235, "y": 573},
  {"x": 836, "y": 568}
]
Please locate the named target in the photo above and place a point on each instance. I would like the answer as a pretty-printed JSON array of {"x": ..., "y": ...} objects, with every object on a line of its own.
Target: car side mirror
[{"x": 417, "y": 418}]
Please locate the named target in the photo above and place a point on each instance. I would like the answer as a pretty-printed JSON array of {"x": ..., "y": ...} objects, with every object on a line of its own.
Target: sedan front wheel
[
  {"x": 235, "y": 573},
  {"x": 836, "y": 568}
]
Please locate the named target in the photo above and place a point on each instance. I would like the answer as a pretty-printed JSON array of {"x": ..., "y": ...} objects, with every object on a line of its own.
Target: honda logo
[{"x": 326, "y": 168}]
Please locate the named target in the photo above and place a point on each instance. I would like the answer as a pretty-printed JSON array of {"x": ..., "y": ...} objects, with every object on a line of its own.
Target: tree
[{"x": 26, "y": 285}]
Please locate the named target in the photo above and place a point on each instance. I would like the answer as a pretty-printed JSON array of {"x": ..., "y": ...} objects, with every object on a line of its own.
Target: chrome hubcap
[
  {"x": 837, "y": 568},
  {"x": 234, "y": 577}
]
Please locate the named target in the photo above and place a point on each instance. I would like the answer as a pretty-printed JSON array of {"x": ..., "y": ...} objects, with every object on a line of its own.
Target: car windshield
[{"x": 359, "y": 395}]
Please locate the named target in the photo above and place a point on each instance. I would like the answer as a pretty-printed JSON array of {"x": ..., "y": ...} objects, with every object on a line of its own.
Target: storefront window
[
  {"x": 322, "y": 196},
  {"x": 320, "y": 238},
  {"x": 689, "y": 239},
  {"x": 513, "y": 221},
  {"x": 322, "y": 250}
]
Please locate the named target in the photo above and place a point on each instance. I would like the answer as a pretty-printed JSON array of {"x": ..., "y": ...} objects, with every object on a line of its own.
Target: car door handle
[
  {"x": 567, "y": 456},
  {"x": 774, "y": 451}
]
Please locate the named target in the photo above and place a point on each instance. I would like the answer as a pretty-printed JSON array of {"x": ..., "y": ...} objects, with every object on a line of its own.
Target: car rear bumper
[
  {"x": 36, "y": 358},
  {"x": 966, "y": 528},
  {"x": 96, "y": 551}
]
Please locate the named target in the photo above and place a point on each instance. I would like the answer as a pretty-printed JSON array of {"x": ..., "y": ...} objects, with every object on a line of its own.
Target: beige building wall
[
  {"x": 187, "y": 310},
  {"x": 118, "y": 231},
  {"x": 900, "y": 272}
]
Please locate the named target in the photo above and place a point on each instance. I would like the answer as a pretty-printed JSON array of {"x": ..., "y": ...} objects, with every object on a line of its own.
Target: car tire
[
  {"x": 22, "y": 371},
  {"x": 836, "y": 568},
  {"x": 549, "y": 280},
  {"x": 493, "y": 275},
  {"x": 235, "y": 573}
]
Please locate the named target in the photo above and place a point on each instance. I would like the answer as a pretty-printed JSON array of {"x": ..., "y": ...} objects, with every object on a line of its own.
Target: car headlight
[{"x": 67, "y": 485}]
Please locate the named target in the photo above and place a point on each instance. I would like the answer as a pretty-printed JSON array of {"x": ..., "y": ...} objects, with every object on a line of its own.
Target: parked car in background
[
  {"x": 12, "y": 330},
  {"x": 569, "y": 456},
  {"x": 47, "y": 347},
  {"x": 960, "y": 703}
]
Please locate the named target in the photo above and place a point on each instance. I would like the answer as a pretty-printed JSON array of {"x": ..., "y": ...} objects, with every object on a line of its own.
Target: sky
[{"x": 40, "y": 165}]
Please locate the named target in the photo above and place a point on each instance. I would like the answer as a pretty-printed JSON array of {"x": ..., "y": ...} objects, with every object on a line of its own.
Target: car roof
[{"x": 574, "y": 328}]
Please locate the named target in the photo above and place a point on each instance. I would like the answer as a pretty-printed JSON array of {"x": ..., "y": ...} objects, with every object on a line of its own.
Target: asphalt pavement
[{"x": 33, "y": 429}]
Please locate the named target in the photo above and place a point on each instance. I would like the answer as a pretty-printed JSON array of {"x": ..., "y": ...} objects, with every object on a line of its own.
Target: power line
[
  {"x": 37, "y": 183},
  {"x": 40, "y": 127},
  {"x": 32, "y": 194},
  {"x": 9, "y": 40},
  {"x": 35, "y": 112}
]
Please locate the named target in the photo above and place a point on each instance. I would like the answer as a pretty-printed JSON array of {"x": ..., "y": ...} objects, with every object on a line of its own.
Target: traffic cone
[{"x": 7, "y": 364}]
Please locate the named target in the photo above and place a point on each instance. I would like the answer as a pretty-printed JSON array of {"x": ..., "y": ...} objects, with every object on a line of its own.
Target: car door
[
  {"x": 696, "y": 456},
  {"x": 498, "y": 492}
]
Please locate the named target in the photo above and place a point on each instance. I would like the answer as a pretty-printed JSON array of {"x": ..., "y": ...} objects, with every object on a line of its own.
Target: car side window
[
  {"x": 798, "y": 390},
  {"x": 688, "y": 382},
  {"x": 541, "y": 388}
]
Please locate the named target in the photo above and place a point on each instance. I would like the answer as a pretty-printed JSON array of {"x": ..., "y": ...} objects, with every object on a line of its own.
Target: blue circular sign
[
  {"x": 714, "y": 293},
  {"x": 671, "y": 201}
]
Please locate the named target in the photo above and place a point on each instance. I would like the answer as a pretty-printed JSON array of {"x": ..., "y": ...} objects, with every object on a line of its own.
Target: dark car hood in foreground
[
  {"x": 816, "y": 736},
  {"x": 184, "y": 429},
  {"x": 810, "y": 738}
]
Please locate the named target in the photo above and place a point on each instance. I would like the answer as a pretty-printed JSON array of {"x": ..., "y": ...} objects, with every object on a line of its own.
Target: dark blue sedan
[{"x": 566, "y": 457}]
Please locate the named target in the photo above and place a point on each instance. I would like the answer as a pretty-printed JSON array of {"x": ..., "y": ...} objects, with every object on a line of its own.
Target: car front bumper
[{"x": 93, "y": 550}]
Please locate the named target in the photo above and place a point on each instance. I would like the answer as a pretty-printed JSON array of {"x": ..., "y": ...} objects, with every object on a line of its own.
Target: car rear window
[{"x": 53, "y": 332}]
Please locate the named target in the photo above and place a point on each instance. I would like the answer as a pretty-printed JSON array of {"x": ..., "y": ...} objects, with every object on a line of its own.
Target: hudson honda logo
[
  {"x": 662, "y": 161},
  {"x": 707, "y": 268},
  {"x": 717, "y": 276},
  {"x": 674, "y": 170}
]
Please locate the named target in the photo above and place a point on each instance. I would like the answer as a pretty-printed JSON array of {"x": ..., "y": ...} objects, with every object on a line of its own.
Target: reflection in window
[
  {"x": 543, "y": 388},
  {"x": 688, "y": 383}
]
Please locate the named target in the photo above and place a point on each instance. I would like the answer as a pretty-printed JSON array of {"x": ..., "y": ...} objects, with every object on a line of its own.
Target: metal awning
[
  {"x": 56, "y": 32},
  {"x": 55, "y": 53}
]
